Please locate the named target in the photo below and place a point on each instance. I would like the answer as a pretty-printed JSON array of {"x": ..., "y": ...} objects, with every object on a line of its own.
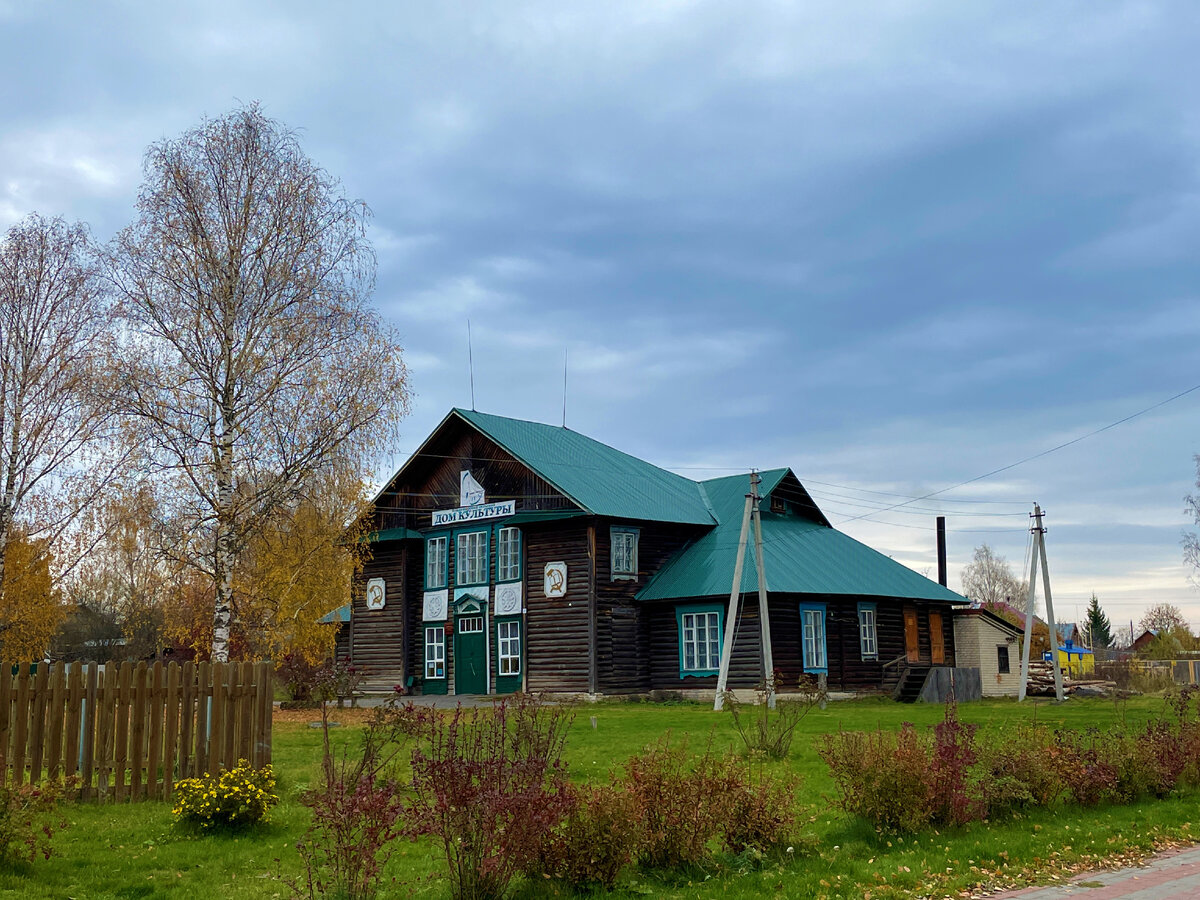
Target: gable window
[
  {"x": 1002, "y": 660},
  {"x": 508, "y": 640},
  {"x": 435, "y": 652},
  {"x": 868, "y": 638},
  {"x": 812, "y": 625},
  {"x": 624, "y": 552},
  {"x": 508, "y": 554},
  {"x": 471, "y": 558},
  {"x": 699, "y": 640},
  {"x": 435, "y": 563}
]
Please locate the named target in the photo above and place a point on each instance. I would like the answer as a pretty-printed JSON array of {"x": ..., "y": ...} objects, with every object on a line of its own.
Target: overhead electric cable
[{"x": 1020, "y": 462}]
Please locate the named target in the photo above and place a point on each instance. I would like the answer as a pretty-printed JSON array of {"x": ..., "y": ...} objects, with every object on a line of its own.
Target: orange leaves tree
[{"x": 252, "y": 366}]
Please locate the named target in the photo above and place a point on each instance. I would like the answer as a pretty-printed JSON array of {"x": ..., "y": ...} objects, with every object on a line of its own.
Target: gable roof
[
  {"x": 991, "y": 618},
  {"x": 801, "y": 555},
  {"x": 600, "y": 479}
]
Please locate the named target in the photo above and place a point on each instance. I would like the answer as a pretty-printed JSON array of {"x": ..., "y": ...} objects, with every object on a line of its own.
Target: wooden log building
[{"x": 512, "y": 555}]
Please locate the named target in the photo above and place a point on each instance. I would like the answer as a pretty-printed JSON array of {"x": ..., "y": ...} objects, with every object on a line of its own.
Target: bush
[
  {"x": 490, "y": 784},
  {"x": 760, "y": 812},
  {"x": 883, "y": 776},
  {"x": 682, "y": 804},
  {"x": 356, "y": 818},
  {"x": 1021, "y": 768},
  {"x": 597, "y": 839},
  {"x": 28, "y": 820},
  {"x": 768, "y": 731},
  {"x": 239, "y": 797}
]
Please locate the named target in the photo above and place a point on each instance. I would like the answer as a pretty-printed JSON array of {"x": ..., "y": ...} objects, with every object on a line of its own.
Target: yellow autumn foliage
[{"x": 30, "y": 606}]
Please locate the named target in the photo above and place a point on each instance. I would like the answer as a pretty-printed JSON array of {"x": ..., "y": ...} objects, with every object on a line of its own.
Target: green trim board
[{"x": 706, "y": 637}]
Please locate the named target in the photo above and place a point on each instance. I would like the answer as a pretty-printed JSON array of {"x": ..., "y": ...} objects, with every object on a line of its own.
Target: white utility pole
[{"x": 1039, "y": 551}]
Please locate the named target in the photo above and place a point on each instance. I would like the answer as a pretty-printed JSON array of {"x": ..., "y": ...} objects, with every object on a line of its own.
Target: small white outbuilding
[{"x": 985, "y": 641}]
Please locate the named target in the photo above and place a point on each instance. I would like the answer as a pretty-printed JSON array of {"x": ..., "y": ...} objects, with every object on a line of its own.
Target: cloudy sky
[{"x": 894, "y": 246}]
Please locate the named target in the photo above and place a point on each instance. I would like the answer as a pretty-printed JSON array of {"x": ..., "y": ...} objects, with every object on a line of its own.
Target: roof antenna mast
[
  {"x": 564, "y": 387},
  {"x": 471, "y": 364}
]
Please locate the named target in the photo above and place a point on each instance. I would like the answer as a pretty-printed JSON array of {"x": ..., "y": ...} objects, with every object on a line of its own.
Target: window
[
  {"x": 812, "y": 621},
  {"x": 624, "y": 552},
  {"x": 435, "y": 563},
  {"x": 868, "y": 641},
  {"x": 508, "y": 636},
  {"x": 470, "y": 625},
  {"x": 699, "y": 640},
  {"x": 471, "y": 558},
  {"x": 435, "y": 652},
  {"x": 508, "y": 554},
  {"x": 1002, "y": 660}
]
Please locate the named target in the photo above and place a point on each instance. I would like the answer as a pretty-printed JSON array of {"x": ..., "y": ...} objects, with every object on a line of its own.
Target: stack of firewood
[{"x": 1041, "y": 682}]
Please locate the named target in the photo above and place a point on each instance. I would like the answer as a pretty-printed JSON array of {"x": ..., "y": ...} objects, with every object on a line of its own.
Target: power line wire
[{"x": 1019, "y": 462}]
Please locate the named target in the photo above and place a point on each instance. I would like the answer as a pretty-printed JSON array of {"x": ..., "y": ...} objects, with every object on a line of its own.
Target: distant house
[
  {"x": 1143, "y": 640},
  {"x": 1069, "y": 633},
  {"x": 992, "y": 644},
  {"x": 510, "y": 555}
]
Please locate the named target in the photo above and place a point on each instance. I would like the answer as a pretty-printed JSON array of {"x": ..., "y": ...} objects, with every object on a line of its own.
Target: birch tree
[
  {"x": 53, "y": 340},
  {"x": 252, "y": 360}
]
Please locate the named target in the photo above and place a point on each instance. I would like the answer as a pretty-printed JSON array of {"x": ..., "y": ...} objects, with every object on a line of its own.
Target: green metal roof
[
  {"x": 339, "y": 616},
  {"x": 602, "y": 480},
  {"x": 392, "y": 534},
  {"x": 800, "y": 556}
]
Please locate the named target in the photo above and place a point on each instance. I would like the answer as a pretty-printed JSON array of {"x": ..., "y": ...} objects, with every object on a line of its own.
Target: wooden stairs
[{"x": 912, "y": 680}]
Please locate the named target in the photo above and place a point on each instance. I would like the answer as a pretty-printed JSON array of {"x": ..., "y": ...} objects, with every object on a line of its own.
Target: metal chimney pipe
[{"x": 941, "y": 550}]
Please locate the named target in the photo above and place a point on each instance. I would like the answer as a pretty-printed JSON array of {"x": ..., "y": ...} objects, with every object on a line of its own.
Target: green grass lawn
[{"x": 132, "y": 851}]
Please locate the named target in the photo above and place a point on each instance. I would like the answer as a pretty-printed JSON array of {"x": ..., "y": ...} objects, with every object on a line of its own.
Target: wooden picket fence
[{"x": 131, "y": 731}]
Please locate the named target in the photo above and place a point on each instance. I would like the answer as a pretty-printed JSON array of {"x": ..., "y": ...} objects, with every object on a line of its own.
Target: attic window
[{"x": 778, "y": 505}]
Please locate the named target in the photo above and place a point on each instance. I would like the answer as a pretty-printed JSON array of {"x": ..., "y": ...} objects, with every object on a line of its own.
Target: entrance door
[
  {"x": 470, "y": 655},
  {"x": 912, "y": 647},
  {"x": 937, "y": 639}
]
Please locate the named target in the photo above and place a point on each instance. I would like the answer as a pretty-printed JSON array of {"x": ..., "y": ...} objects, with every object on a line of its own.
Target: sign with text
[{"x": 473, "y": 513}]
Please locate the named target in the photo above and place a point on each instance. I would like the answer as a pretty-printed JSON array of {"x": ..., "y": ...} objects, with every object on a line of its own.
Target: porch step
[{"x": 911, "y": 682}]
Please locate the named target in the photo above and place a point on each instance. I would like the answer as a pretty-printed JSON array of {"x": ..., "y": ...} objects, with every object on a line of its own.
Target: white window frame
[
  {"x": 508, "y": 648},
  {"x": 812, "y": 624},
  {"x": 700, "y": 636},
  {"x": 471, "y": 547},
  {"x": 508, "y": 554},
  {"x": 623, "y": 552},
  {"x": 435, "y": 563},
  {"x": 435, "y": 652},
  {"x": 868, "y": 631}
]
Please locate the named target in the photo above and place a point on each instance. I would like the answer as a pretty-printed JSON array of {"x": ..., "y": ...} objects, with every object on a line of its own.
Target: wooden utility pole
[
  {"x": 735, "y": 595},
  {"x": 764, "y": 616},
  {"x": 1039, "y": 554}
]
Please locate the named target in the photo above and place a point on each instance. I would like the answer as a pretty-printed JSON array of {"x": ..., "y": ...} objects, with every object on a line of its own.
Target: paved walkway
[{"x": 1173, "y": 875}]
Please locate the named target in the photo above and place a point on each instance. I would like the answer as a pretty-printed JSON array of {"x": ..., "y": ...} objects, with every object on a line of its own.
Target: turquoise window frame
[
  {"x": 613, "y": 530},
  {"x": 704, "y": 608},
  {"x": 445, "y": 562},
  {"x": 487, "y": 554},
  {"x": 813, "y": 669},
  {"x": 873, "y": 610},
  {"x": 520, "y": 556}
]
